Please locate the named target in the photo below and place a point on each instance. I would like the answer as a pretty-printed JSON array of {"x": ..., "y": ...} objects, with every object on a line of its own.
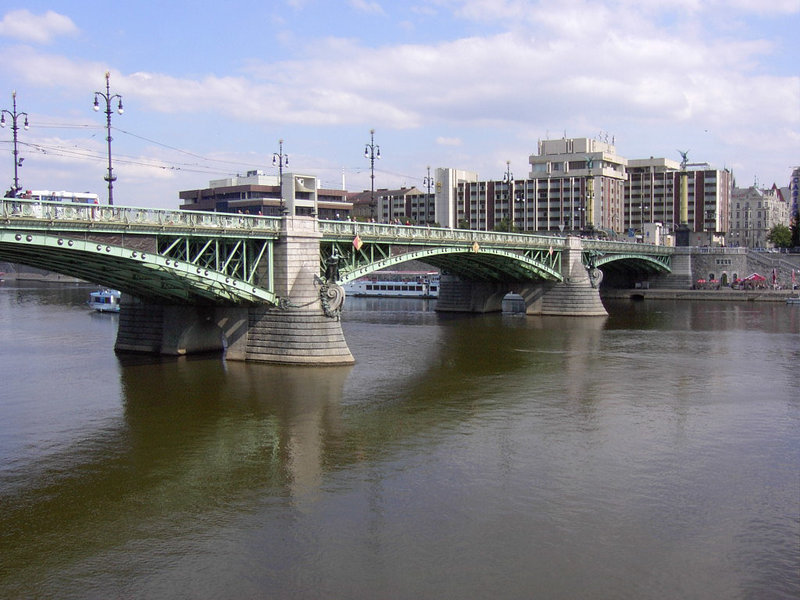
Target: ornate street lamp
[
  {"x": 372, "y": 152},
  {"x": 108, "y": 98},
  {"x": 280, "y": 160},
  {"x": 427, "y": 181},
  {"x": 14, "y": 129},
  {"x": 508, "y": 178}
]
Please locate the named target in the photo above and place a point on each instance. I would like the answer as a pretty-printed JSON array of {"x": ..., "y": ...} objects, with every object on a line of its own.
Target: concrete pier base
[
  {"x": 178, "y": 330},
  {"x": 458, "y": 295},
  {"x": 301, "y": 331},
  {"x": 298, "y": 337},
  {"x": 577, "y": 295}
]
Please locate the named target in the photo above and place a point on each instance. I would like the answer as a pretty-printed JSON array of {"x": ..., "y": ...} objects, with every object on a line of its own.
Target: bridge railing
[
  {"x": 625, "y": 247},
  {"x": 438, "y": 235},
  {"x": 18, "y": 208}
]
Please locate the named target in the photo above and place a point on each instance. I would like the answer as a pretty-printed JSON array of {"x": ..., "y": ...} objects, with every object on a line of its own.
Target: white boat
[
  {"x": 396, "y": 284},
  {"x": 104, "y": 300},
  {"x": 793, "y": 300}
]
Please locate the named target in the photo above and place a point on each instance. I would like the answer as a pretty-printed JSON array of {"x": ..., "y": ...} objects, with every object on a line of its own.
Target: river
[{"x": 652, "y": 454}]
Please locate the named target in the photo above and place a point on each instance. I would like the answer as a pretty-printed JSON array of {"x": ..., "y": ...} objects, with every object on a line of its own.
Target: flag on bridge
[{"x": 357, "y": 243}]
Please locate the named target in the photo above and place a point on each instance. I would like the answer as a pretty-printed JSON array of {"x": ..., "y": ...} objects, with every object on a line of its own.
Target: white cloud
[
  {"x": 42, "y": 29},
  {"x": 630, "y": 67}
]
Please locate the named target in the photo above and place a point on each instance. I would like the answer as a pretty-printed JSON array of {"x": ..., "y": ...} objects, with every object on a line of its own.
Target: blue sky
[{"x": 468, "y": 84}]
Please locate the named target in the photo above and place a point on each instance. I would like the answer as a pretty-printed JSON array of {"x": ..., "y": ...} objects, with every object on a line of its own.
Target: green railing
[
  {"x": 70, "y": 212},
  {"x": 377, "y": 232}
]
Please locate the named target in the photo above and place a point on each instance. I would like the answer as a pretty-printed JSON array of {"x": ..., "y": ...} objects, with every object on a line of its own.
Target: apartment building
[
  {"x": 754, "y": 213},
  {"x": 582, "y": 184},
  {"x": 259, "y": 194}
]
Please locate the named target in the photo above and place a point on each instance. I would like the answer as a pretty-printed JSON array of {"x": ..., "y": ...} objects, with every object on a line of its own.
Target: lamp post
[
  {"x": 427, "y": 181},
  {"x": 108, "y": 98},
  {"x": 281, "y": 160},
  {"x": 372, "y": 152},
  {"x": 508, "y": 177},
  {"x": 14, "y": 129}
]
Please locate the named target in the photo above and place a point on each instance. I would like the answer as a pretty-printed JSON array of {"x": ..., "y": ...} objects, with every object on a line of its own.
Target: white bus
[{"x": 62, "y": 196}]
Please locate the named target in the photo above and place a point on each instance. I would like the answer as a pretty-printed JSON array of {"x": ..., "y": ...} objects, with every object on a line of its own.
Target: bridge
[{"x": 269, "y": 288}]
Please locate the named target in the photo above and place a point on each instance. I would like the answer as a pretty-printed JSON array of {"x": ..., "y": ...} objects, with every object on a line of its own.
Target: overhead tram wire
[
  {"x": 173, "y": 165},
  {"x": 88, "y": 154}
]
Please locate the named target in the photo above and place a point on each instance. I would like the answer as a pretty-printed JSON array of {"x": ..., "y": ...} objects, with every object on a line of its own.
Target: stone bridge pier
[
  {"x": 577, "y": 295},
  {"x": 301, "y": 331}
]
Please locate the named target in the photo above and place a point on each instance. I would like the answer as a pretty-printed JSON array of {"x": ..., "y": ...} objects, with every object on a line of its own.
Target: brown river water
[{"x": 652, "y": 454}]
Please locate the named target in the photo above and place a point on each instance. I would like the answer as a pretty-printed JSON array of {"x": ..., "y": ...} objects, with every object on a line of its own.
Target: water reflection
[
  {"x": 616, "y": 455},
  {"x": 198, "y": 433}
]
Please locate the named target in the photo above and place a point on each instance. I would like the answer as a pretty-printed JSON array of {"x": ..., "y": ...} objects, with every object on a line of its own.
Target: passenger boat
[
  {"x": 793, "y": 300},
  {"x": 396, "y": 284},
  {"x": 104, "y": 300}
]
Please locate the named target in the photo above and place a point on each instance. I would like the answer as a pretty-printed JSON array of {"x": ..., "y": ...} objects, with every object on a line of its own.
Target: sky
[{"x": 209, "y": 89}]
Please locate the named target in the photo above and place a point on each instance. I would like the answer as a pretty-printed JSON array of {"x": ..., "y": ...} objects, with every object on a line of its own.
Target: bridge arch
[
  {"x": 627, "y": 268},
  {"x": 141, "y": 273},
  {"x": 483, "y": 264}
]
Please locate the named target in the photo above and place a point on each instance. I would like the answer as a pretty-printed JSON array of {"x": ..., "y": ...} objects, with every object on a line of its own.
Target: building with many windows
[
  {"x": 259, "y": 194},
  {"x": 575, "y": 185},
  {"x": 581, "y": 185},
  {"x": 754, "y": 213},
  {"x": 404, "y": 205}
]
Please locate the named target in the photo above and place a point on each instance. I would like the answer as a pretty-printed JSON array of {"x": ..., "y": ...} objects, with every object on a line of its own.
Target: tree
[
  {"x": 795, "y": 228},
  {"x": 780, "y": 236},
  {"x": 505, "y": 224}
]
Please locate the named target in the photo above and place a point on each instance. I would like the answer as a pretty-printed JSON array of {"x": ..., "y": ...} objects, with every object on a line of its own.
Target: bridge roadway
[{"x": 268, "y": 288}]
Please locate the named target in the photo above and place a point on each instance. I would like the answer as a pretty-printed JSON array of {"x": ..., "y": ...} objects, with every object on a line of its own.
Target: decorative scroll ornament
[
  {"x": 331, "y": 294},
  {"x": 332, "y": 297},
  {"x": 595, "y": 277}
]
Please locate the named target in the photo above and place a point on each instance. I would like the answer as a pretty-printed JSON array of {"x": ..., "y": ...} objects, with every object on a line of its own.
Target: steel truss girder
[
  {"x": 241, "y": 259},
  {"x": 142, "y": 274},
  {"x": 475, "y": 262}
]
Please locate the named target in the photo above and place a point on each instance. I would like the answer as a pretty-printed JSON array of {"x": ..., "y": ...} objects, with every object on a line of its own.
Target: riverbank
[{"x": 724, "y": 294}]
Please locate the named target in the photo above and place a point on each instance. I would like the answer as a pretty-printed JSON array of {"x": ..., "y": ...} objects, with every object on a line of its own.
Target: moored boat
[
  {"x": 104, "y": 300},
  {"x": 396, "y": 284}
]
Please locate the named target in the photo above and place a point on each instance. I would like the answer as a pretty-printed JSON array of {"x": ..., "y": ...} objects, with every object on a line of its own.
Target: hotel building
[{"x": 259, "y": 194}]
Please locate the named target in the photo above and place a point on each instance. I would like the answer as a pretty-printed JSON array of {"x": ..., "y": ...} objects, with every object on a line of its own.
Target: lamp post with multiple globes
[
  {"x": 280, "y": 160},
  {"x": 428, "y": 181},
  {"x": 108, "y": 98},
  {"x": 372, "y": 152},
  {"x": 14, "y": 129}
]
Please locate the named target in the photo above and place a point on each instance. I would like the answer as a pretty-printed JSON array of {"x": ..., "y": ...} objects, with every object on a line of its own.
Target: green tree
[
  {"x": 504, "y": 224},
  {"x": 780, "y": 236}
]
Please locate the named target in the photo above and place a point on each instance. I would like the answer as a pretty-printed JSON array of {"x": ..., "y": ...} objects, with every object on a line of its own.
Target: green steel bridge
[
  {"x": 218, "y": 258},
  {"x": 268, "y": 289}
]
